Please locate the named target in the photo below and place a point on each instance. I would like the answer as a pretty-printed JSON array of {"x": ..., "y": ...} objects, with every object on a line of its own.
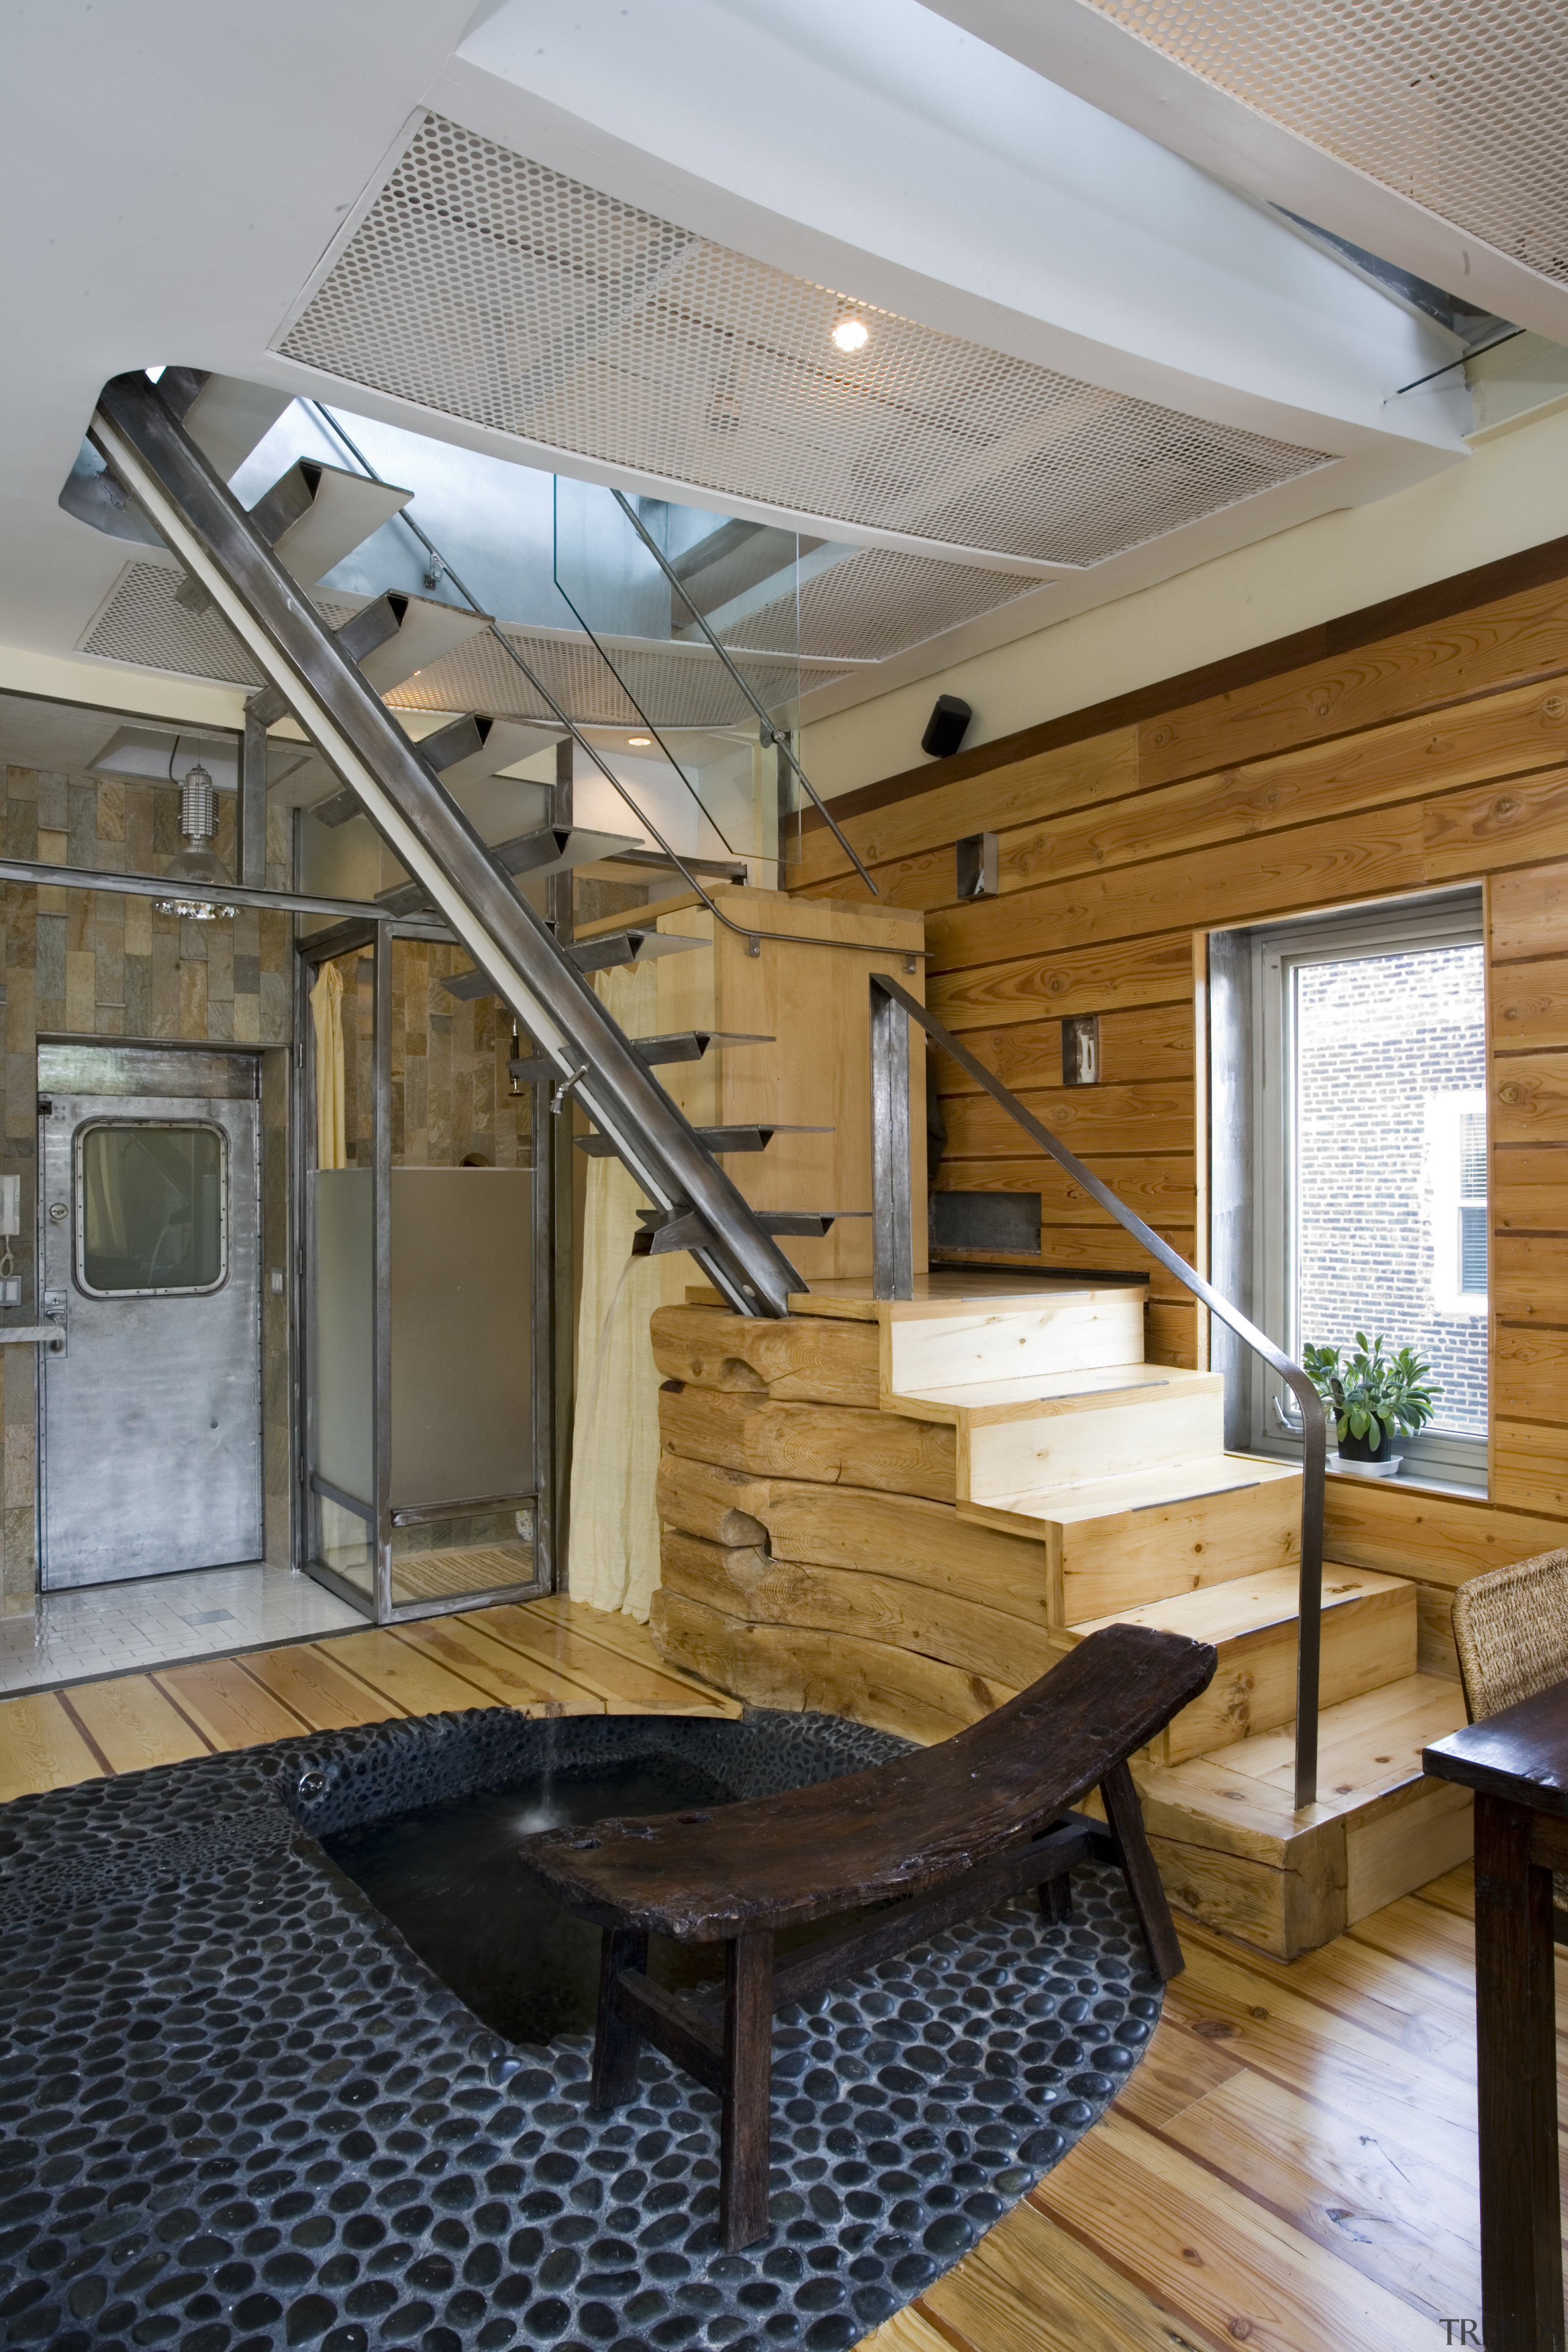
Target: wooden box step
[
  {"x": 1234, "y": 1852},
  {"x": 1081, "y": 1439},
  {"x": 1369, "y": 1640},
  {"x": 983, "y": 1327},
  {"x": 1132, "y": 1490}
]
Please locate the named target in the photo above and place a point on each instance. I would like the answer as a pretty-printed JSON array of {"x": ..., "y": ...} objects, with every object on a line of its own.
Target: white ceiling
[{"x": 218, "y": 163}]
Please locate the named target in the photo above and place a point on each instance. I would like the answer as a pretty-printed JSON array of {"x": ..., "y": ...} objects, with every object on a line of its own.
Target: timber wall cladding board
[
  {"x": 1428, "y": 657},
  {"x": 1153, "y": 1043},
  {"x": 1509, "y": 735},
  {"x": 1436, "y": 756}
]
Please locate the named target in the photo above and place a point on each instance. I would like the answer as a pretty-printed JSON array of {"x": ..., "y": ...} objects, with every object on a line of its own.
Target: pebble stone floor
[{"x": 237, "y": 2112}]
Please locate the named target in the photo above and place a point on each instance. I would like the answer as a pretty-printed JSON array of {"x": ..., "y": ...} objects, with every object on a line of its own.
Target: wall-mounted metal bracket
[
  {"x": 1081, "y": 1049},
  {"x": 977, "y": 865}
]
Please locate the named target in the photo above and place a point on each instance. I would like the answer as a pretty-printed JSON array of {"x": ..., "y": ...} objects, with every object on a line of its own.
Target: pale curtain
[
  {"x": 326, "y": 1012},
  {"x": 612, "y": 1533}
]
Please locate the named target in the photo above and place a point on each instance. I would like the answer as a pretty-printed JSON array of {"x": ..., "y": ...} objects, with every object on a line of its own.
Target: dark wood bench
[{"x": 939, "y": 1835}]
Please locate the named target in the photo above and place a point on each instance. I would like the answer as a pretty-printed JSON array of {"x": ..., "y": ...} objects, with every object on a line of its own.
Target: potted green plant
[{"x": 1370, "y": 1395}]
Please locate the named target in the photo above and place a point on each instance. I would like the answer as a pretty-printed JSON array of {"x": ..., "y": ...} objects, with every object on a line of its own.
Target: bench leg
[
  {"x": 1125, "y": 1815},
  {"x": 617, "y": 2043},
  {"x": 748, "y": 2081},
  {"x": 1056, "y": 1899}
]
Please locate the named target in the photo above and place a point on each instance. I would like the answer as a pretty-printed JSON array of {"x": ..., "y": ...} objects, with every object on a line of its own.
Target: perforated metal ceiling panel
[
  {"x": 141, "y": 622},
  {"x": 875, "y": 603},
  {"x": 1459, "y": 109},
  {"x": 489, "y": 288}
]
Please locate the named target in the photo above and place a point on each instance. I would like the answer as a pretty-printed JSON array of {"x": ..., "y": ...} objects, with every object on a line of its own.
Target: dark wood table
[{"x": 1517, "y": 1763}]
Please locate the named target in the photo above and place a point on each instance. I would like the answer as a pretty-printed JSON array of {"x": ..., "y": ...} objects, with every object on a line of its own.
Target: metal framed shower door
[{"x": 376, "y": 1510}]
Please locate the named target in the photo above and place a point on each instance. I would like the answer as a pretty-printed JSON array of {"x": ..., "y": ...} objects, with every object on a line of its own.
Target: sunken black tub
[{"x": 238, "y": 2110}]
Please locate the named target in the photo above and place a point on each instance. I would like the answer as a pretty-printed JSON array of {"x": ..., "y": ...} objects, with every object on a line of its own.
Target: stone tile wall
[
  {"x": 88, "y": 963},
  {"x": 450, "y": 1090}
]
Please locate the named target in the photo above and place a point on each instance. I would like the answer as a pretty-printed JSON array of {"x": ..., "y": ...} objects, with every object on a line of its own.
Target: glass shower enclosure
[{"x": 426, "y": 1445}]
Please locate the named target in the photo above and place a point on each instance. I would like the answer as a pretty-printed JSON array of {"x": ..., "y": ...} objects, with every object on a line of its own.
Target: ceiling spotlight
[
  {"x": 851, "y": 335},
  {"x": 638, "y": 743}
]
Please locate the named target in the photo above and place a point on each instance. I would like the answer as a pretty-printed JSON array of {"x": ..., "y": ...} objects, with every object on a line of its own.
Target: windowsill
[{"x": 1407, "y": 1485}]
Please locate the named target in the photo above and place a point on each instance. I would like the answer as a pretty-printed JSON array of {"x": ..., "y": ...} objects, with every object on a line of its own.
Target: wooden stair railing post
[{"x": 886, "y": 994}]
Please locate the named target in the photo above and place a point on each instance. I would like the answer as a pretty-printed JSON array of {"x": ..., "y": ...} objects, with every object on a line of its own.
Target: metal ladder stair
[{"x": 138, "y": 429}]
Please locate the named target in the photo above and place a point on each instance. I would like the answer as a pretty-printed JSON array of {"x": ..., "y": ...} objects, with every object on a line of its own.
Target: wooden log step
[
  {"x": 837, "y": 1673},
  {"x": 855, "y": 1527},
  {"x": 834, "y": 1445},
  {"x": 798, "y": 1360},
  {"x": 1370, "y": 1637},
  {"x": 760, "y": 1590}
]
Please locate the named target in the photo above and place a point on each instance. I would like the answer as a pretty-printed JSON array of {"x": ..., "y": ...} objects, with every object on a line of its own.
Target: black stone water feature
[{"x": 243, "y": 2104}]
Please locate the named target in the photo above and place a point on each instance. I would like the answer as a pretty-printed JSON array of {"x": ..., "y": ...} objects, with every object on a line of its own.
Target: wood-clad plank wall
[{"x": 1436, "y": 755}]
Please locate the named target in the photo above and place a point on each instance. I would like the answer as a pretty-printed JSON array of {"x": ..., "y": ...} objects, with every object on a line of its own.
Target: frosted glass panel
[
  {"x": 462, "y": 1418},
  {"x": 343, "y": 1330}
]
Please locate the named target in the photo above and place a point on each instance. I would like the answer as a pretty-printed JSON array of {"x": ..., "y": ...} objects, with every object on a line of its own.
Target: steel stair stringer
[{"x": 138, "y": 431}]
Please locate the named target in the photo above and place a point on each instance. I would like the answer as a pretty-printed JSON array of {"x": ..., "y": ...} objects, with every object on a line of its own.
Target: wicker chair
[{"x": 1510, "y": 1629}]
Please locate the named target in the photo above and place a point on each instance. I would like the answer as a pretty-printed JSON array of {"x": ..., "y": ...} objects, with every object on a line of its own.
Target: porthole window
[{"x": 152, "y": 1208}]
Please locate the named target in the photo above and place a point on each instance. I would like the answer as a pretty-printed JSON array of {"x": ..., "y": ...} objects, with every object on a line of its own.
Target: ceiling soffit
[
  {"x": 497, "y": 290},
  {"x": 1458, "y": 109}
]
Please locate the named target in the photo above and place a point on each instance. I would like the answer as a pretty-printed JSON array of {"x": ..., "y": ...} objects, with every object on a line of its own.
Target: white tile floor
[{"x": 102, "y": 1628}]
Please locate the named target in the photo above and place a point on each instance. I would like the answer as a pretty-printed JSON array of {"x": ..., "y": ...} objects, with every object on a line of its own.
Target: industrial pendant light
[{"x": 197, "y": 862}]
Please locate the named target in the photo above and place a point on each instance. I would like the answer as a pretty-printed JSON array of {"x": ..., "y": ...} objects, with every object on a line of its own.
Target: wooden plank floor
[
  {"x": 544, "y": 1657},
  {"x": 1292, "y": 2166}
]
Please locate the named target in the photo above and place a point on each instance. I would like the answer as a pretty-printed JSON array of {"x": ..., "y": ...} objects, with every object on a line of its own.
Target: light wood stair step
[
  {"x": 1134, "y": 1490},
  {"x": 1007, "y": 1399},
  {"x": 1086, "y": 1438},
  {"x": 1233, "y": 1850},
  {"x": 1369, "y": 1640},
  {"x": 979, "y": 1326}
]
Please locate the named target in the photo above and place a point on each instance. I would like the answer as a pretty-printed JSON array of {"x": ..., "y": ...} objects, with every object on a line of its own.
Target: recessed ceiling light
[
  {"x": 851, "y": 335},
  {"x": 640, "y": 742}
]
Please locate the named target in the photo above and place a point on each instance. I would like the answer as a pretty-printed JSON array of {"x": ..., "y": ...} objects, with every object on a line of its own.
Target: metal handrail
[{"x": 892, "y": 1008}]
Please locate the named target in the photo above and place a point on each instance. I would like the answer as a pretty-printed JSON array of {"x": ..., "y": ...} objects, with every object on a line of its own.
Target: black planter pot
[{"x": 1361, "y": 1449}]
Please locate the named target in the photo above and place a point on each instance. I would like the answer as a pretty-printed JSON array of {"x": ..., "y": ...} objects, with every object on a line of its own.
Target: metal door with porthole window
[{"x": 150, "y": 1421}]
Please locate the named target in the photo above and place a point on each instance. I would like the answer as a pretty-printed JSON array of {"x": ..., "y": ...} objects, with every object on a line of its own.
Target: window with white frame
[{"x": 1363, "y": 1137}]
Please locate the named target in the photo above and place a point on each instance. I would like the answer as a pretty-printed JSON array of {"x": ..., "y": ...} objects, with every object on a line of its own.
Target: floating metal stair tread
[
  {"x": 684, "y": 1046},
  {"x": 663, "y": 1234},
  {"x": 389, "y": 638},
  {"x": 747, "y": 1138},
  {"x": 315, "y": 514},
  {"x": 548, "y": 849},
  {"x": 618, "y": 948},
  {"x": 591, "y": 955},
  {"x": 691, "y": 1044}
]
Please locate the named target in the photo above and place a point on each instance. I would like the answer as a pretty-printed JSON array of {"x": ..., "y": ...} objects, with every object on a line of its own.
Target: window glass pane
[
  {"x": 150, "y": 1216},
  {"x": 1472, "y": 1249},
  {"x": 1390, "y": 1140}
]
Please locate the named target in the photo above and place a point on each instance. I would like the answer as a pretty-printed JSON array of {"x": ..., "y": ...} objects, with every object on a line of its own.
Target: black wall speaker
[{"x": 945, "y": 726}]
